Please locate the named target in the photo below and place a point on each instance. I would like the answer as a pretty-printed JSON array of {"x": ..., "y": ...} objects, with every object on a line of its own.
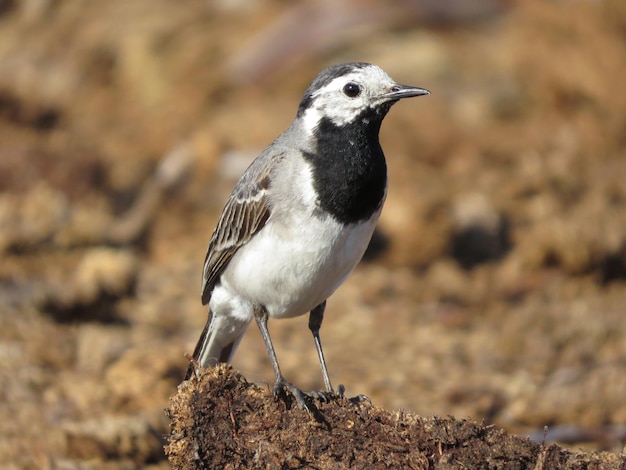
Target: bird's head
[{"x": 350, "y": 93}]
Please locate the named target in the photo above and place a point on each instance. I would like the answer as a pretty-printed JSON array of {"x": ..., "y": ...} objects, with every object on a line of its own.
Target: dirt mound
[{"x": 496, "y": 287}]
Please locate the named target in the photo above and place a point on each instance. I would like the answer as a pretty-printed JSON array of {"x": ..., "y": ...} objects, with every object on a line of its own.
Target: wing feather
[{"x": 245, "y": 213}]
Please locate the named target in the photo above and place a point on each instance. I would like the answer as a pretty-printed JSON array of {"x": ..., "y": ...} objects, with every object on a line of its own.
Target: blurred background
[{"x": 494, "y": 289}]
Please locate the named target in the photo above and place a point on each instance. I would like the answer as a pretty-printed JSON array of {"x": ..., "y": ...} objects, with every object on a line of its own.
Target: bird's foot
[
  {"x": 282, "y": 386},
  {"x": 303, "y": 399},
  {"x": 360, "y": 399},
  {"x": 341, "y": 390},
  {"x": 320, "y": 395}
]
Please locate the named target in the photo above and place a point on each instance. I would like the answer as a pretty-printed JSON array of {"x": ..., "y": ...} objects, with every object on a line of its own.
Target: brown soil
[
  {"x": 219, "y": 420},
  {"x": 495, "y": 291}
]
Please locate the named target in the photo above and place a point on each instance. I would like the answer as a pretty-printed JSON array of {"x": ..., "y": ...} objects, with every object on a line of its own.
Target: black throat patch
[{"x": 349, "y": 168}]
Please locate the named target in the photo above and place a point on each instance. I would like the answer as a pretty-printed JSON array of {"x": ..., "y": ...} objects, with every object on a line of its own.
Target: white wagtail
[{"x": 301, "y": 216}]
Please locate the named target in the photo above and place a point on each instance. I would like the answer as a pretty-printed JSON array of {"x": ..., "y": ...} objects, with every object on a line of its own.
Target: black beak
[{"x": 404, "y": 91}]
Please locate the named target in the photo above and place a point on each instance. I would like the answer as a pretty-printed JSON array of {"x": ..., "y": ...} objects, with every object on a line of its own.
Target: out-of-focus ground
[{"x": 496, "y": 290}]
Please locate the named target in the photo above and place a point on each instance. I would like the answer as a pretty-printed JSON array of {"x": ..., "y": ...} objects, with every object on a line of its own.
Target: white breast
[
  {"x": 295, "y": 262},
  {"x": 292, "y": 270}
]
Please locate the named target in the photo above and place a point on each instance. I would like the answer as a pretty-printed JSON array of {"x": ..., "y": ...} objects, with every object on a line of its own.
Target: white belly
[{"x": 290, "y": 269}]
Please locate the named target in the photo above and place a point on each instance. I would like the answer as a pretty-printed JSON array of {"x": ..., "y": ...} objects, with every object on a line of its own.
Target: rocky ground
[{"x": 496, "y": 286}]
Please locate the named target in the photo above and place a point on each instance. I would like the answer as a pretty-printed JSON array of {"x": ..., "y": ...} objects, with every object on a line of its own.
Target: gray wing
[{"x": 245, "y": 213}]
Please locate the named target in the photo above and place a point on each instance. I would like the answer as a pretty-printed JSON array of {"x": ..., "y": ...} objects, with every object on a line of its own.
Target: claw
[
  {"x": 360, "y": 399},
  {"x": 302, "y": 398},
  {"x": 319, "y": 395},
  {"x": 282, "y": 385},
  {"x": 356, "y": 400}
]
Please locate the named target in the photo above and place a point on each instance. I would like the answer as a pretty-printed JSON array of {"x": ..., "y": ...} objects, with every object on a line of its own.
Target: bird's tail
[{"x": 218, "y": 341}]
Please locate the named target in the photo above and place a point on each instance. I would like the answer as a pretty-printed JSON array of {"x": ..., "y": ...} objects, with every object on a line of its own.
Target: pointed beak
[{"x": 404, "y": 91}]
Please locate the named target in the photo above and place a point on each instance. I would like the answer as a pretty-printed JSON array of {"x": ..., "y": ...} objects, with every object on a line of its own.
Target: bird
[{"x": 300, "y": 218}]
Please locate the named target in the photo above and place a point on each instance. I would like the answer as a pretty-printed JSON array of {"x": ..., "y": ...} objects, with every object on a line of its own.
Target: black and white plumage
[{"x": 301, "y": 216}]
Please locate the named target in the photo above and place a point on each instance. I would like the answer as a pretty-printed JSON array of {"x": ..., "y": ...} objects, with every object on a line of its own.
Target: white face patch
[
  {"x": 311, "y": 119},
  {"x": 331, "y": 102}
]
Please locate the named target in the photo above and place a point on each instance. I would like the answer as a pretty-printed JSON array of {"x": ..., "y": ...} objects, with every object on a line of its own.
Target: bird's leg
[
  {"x": 260, "y": 315},
  {"x": 315, "y": 323}
]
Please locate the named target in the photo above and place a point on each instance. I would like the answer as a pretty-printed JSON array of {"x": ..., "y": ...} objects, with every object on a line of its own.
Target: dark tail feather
[{"x": 218, "y": 342}]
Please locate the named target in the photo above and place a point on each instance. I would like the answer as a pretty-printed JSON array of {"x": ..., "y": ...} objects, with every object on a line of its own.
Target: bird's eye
[{"x": 352, "y": 90}]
